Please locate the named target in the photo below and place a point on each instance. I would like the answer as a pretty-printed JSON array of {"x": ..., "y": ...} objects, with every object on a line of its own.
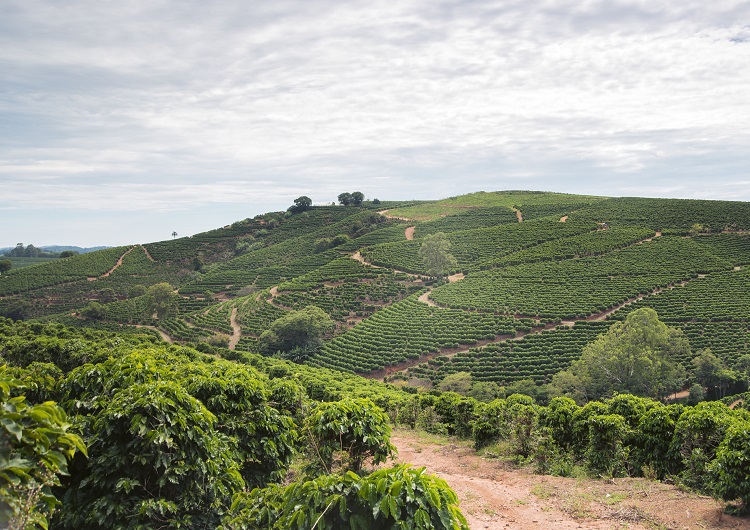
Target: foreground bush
[{"x": 400, "y": 497}]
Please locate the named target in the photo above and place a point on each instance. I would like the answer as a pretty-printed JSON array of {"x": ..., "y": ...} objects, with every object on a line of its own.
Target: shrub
[
  {"x": 355, "y": 428},
  {"x": 387, "y": 499}
]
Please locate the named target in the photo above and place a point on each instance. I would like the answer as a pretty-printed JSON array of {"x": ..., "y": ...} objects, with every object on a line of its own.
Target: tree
[
  {"x": 5, "y": 265},
  {"x": 162, "y": 300},
  {"x": 68, "y": 253},
  {"x": 301, "y": 204},
  {"x": 94, "y": 311},
  {"x": 637, "y": 356},
  {"x": 460, "y": 383},
  {"x": 357, "y": 198},
  {"x": 299, "y": 329},
  {"x": 434, "y": 253},
  {"x": 711, "y": 373},
  {"x": 18, "y": 251},
  {"x": 174, "y": 235},
  {"x": 16, "y": 310},
  {"x": 345, "y": 198}
]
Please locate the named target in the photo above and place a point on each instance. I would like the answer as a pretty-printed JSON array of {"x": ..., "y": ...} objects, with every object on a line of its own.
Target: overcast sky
[{"x": 122, "y": 121}]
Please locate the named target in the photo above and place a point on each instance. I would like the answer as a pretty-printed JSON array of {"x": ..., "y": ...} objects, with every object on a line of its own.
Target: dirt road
[{"x": 496, "y": 495}]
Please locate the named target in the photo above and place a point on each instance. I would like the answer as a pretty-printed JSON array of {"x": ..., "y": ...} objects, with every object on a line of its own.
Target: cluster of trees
[
  {"x": 355, "y": 198},
  {"x": 297, "y": 334},
  {"x": 301, "y": 204},
  {"x": 31, "y": 251}
]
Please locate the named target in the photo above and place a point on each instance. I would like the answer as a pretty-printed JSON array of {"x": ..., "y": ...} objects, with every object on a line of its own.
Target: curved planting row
[
  {"x": 578, "y": 288},
  {"x": 408, "y": 330},
  {"x": 678, "y": 215},
  {"x": 472, "y": 247},
  {"x": 721, "y": 296},
  {"x": 80, "y": 267},
  {"x": 579, "y": 246},
  {"x": 537, "y": 357},
  {"x": 468, "y": 220}
]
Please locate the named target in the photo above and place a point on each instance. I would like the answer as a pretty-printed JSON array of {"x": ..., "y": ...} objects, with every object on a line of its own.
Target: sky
[{"x": 123, "y": 121}]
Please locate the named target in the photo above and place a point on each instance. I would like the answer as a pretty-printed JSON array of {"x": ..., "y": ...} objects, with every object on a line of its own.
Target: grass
[{"x": 455, "y": 205}]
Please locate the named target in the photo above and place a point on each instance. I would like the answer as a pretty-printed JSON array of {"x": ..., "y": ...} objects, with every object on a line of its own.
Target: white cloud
[{"x": 156, "y": 102}]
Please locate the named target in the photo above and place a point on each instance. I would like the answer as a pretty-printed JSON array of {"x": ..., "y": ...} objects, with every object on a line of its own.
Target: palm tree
[{"x": 174, "y": 235}]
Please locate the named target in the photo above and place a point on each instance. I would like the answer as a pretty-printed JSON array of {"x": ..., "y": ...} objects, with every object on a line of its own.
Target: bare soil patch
[
  {"x": 236, "y": 331},
  {"x": 563, "y": 218},
  {"x": 493, "y": 494},
  {"x": 409, "y": 233}
]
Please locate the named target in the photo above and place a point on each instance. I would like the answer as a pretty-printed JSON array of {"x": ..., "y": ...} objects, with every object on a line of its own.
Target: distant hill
[{"x": 60, "y": 248}]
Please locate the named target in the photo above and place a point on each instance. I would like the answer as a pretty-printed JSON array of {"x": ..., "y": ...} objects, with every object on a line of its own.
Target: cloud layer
[{"x": 175, "y": 106}]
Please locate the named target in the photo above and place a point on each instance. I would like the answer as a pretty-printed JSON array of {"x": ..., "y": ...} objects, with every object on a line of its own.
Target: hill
[
  {"x": 550, "y": 271},
  {"x": 153, "y": 349}
]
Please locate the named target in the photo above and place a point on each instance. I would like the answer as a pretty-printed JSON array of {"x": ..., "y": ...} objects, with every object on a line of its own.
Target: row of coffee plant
[
  {"x": 78, "y": 267},
  {"x": 702, "y": 447},
  {"x": 676, "y": 215},
  {"x": 471, "y": 247},
  {"x": 581, "y": 287},
  {"x": 579, "y": 246},
  {"x": 536, "y": 357},
  {"x": 407, "y": 330}
]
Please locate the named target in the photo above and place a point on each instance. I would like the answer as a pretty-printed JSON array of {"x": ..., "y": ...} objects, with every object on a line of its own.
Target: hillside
[
  {"x": 195, "y": 369},
  {"x": 544, "y": 269}
]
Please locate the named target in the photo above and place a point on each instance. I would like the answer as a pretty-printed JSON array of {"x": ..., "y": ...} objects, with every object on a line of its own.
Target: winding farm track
[
  {"x": 163, "y": 335},
  {"x": 496, "y": 495},
  {"x": 113, "y": 269},
  {"x": 147, "y": 254},
  {"x": 236, "y": 331},
  {"x": 519, "y": 215},
  {"x": 409, "y": 233}
]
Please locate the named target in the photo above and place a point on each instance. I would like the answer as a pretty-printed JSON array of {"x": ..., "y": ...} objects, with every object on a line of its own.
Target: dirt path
[
  {"x": 519, "y": 215},
  {"x": 113, "y": 269},
  {"x": 494, "y": 495},
  {"x": 358, "y": 257},
  {"x": 656, "y": 234},
  {"x": 425, "y": 299},
  {"x": 384, "y": 213},
  {"x": 409, "y": 233},
  {"x": 163, "y": 335},
  {"x": 236, "y": 331},
  {"x": 147, "y": 254},
  {"x": 563, "y": 218}
]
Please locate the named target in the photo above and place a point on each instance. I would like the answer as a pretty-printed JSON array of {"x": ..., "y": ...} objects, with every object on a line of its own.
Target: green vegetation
[
  {"x": 637, "y": 356},
  {"x": 437, "y": 259},
  {"x": 543, "y": 311}
]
